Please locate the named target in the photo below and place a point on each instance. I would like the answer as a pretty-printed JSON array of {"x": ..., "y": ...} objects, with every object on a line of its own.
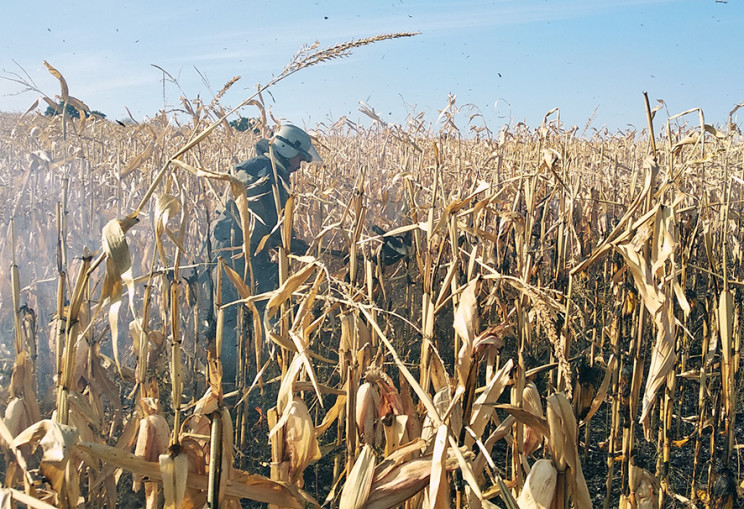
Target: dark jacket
[{"x": 227, "y": 236}]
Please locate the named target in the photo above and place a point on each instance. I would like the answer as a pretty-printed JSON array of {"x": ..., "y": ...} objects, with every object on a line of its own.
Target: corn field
[{"x": 560, "y": 324}]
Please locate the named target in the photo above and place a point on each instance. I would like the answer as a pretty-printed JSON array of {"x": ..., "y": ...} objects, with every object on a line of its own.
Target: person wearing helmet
[{"x": 288, "y": 148}]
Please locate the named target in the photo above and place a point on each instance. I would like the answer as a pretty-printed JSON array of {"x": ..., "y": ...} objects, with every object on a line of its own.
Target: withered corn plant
[{"x": 532, "y": 318}]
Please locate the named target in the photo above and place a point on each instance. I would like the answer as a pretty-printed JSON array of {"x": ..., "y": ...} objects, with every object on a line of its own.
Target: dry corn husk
[
  {"x": 152, "y": 441},
  {"x": 390, "y": 401},
  {"x": 359, "y": 481},
  {"x": 16, "y": 416},
  {"x": 539, "y": 487},
  {"x": 427, "y": 403},
  {"x": 354, "y": 330},
  {"x": 413, "y": 423},
  {"x": 57, "y": 442},
  {"x": 208, "y": 403},
  {"x": 367, "y": 403},
  {"x": 644, "y": 488},
  {"x": 390, "y": 413},
  {"x": 533, "y": 436},
  {"x": 488, "y": 344},
  {"x": 402, "y": 482},
  {"x": 465, "y": 324},
  {"x": 300, "y": 445},
  {"x": 396, "y": 432},
  {"x": 22, "y": 382},
  {"x": 565, "y": 452},
  {"x": 55, "y": 439},
  {"x": 175, "y": 471},
  {"x": 442, "y": 402}
]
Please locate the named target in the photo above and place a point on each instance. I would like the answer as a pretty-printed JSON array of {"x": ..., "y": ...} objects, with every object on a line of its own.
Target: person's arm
[
  {"x": 298, "y": 246},
  {"x": 222, "y": 227}
]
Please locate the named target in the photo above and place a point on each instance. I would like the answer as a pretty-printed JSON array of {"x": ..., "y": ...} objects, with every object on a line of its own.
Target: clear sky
[{"x": 513, "y": 60}]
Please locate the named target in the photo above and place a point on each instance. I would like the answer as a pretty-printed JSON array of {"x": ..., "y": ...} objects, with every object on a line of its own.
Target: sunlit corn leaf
[
  {"x": 62, "y": 82},
  {"x": 280, "y": 296},
  {"x": 284, "y": 293},
  {"x": 118, "y": 268},
  {"x": 8, "y": 496},
  {"x": 527, "y": 417},
  {"x": 286, "y": 389},
  {"x": 359, "y": 481},
  {"x": 331, "y": 415},
  {"x": 138, "y": 160},
  {"x": 239, "y": 485},
  {"x": 439, "y": 377},
  {"x": 483, "y": 406},
  {"x": 303, "y": 321},
  {"x": 438, "y": 483},
  {"x": 81, "y": 107},
  {"x": 167, "y": 206}
]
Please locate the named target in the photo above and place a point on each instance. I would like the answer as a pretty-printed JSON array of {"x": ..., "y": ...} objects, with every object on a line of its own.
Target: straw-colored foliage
[{"x": 566, "y": 306}]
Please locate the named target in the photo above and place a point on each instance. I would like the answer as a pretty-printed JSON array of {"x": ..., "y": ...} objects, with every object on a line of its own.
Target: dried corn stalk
[{"x": 656, "y": 291}]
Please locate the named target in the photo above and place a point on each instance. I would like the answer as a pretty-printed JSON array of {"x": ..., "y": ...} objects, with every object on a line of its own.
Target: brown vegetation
[{"x": 572, "y": 298}]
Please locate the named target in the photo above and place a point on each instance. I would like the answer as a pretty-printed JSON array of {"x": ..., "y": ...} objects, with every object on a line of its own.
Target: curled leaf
[{"x": 359, "y": 481}]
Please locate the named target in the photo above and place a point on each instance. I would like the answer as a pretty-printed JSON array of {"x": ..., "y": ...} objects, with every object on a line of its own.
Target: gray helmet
[{"x": 290, "y": 140}]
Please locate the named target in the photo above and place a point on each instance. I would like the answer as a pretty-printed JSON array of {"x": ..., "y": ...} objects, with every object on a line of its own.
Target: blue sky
[{"x": 512, "y": 60}]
